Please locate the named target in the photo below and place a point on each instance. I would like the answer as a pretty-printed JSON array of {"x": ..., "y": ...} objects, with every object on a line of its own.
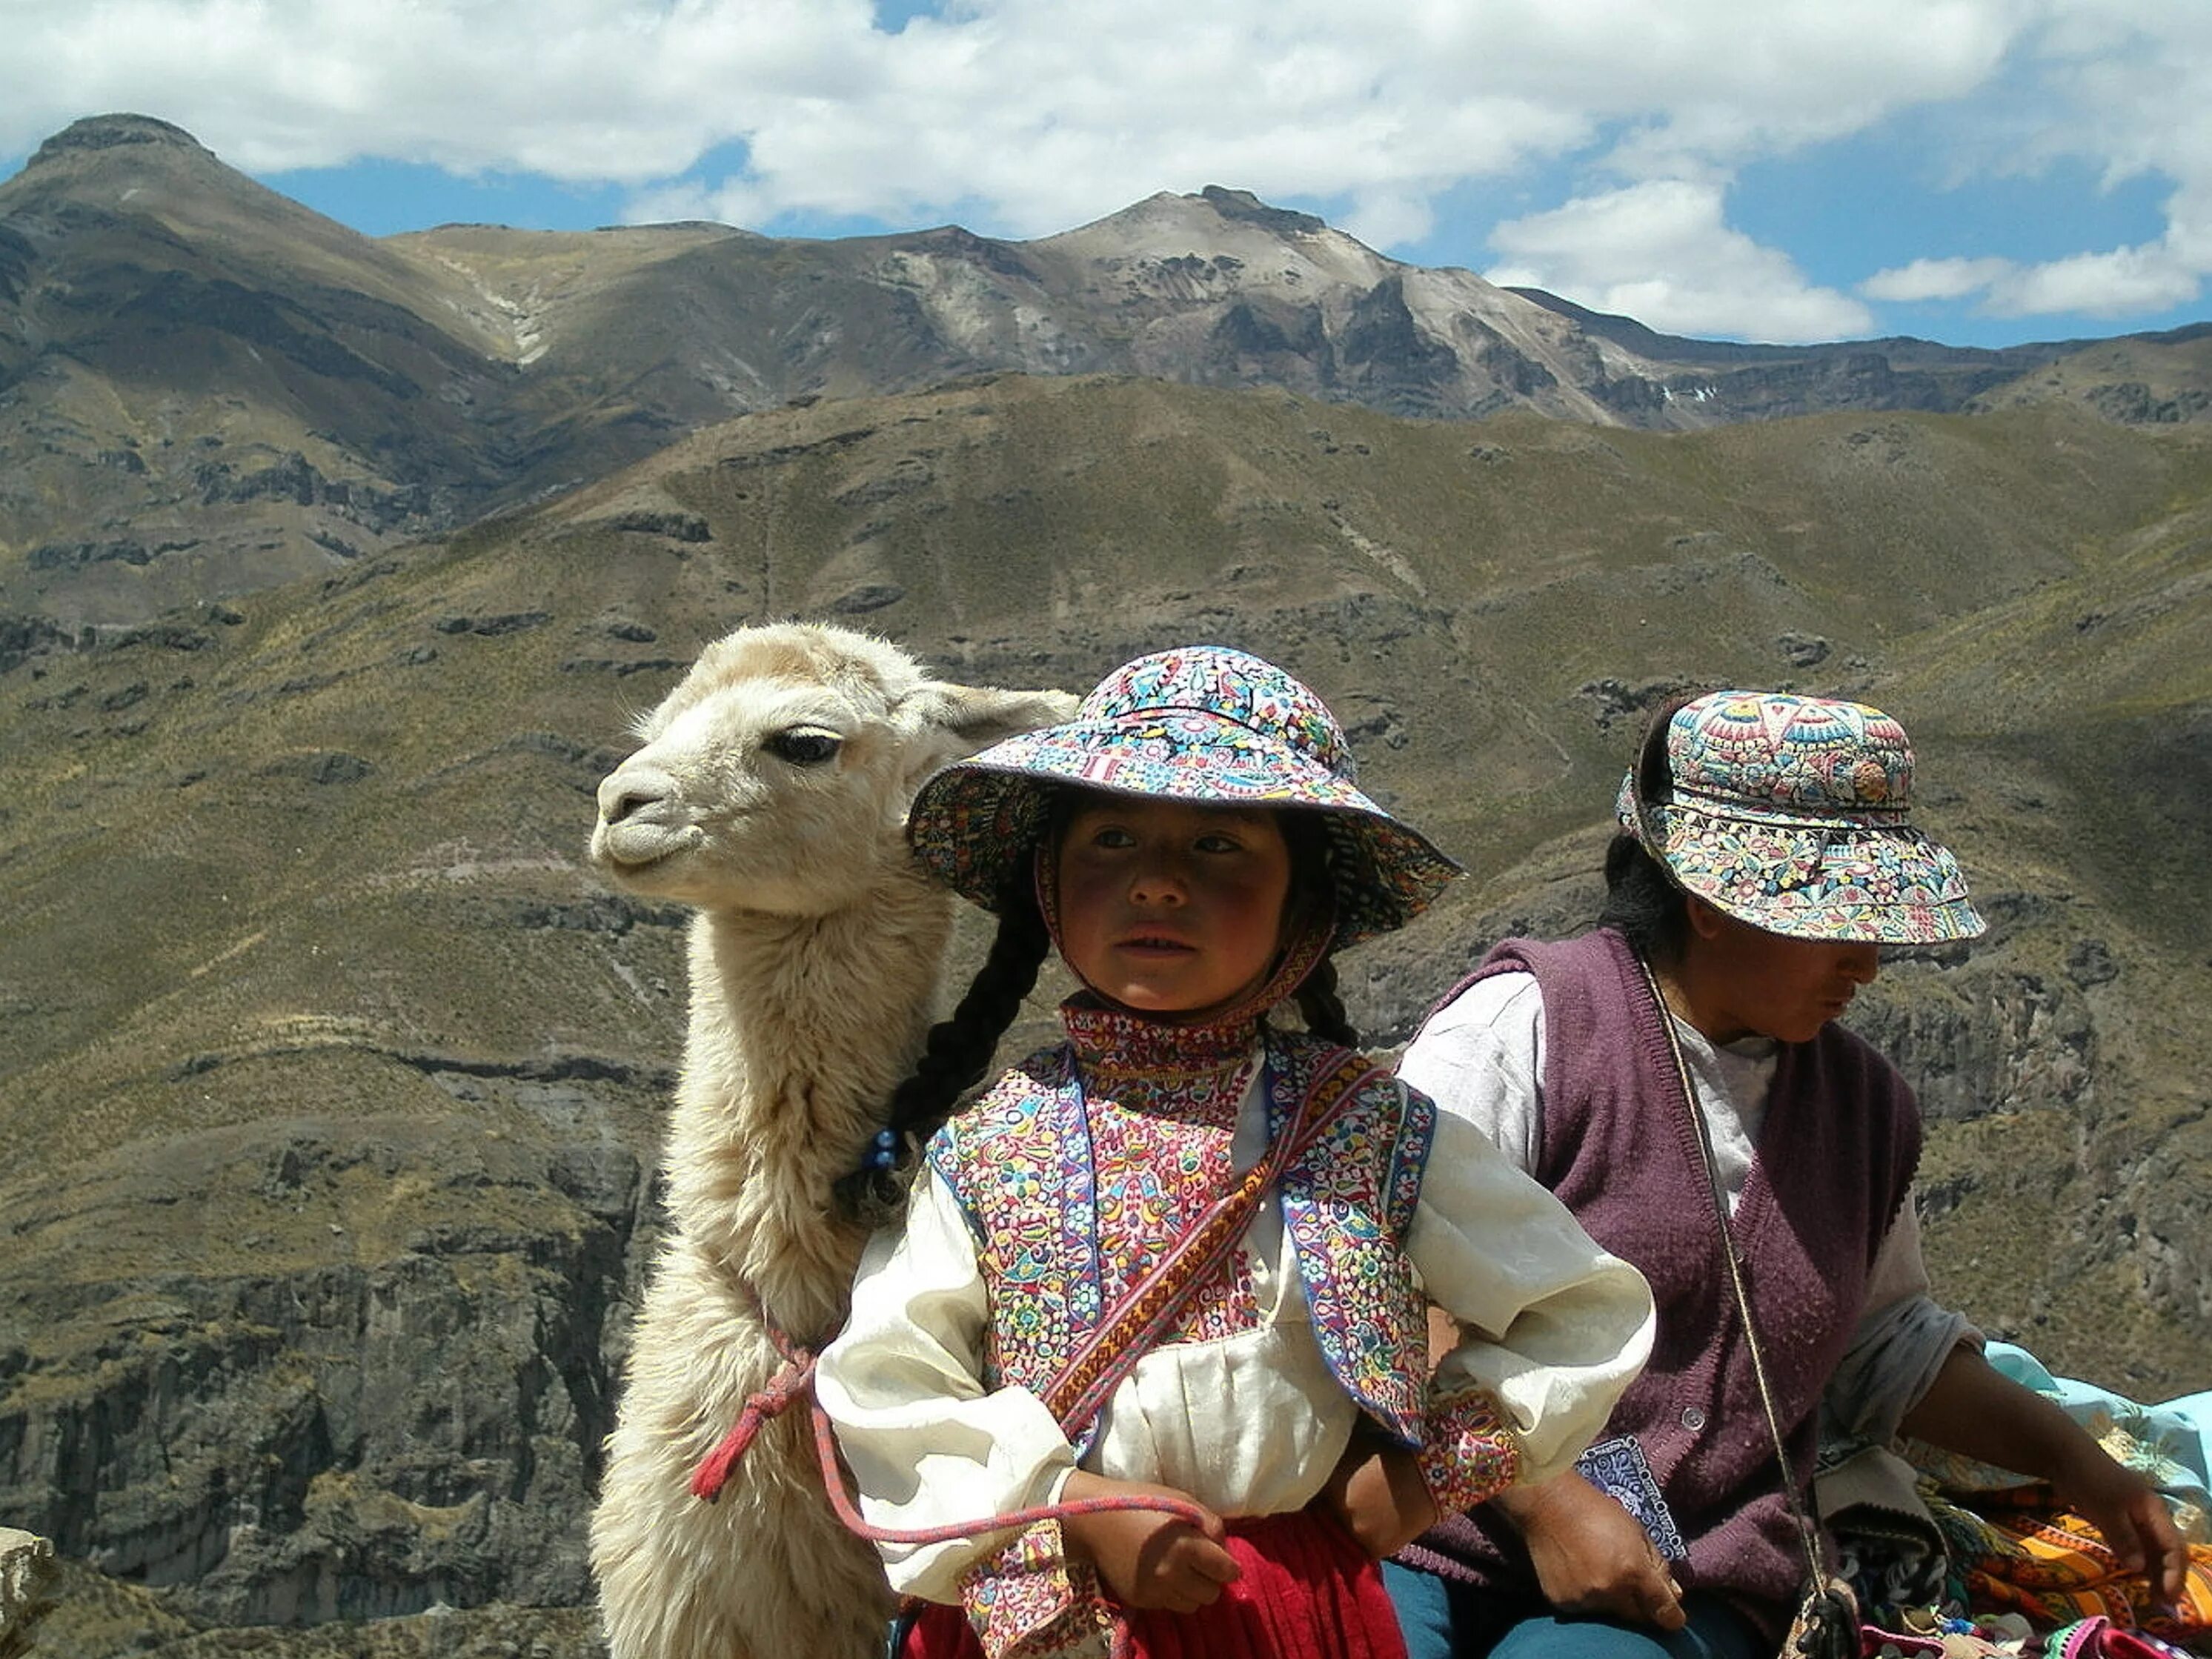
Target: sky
[{"x": 1976, "y": 172}]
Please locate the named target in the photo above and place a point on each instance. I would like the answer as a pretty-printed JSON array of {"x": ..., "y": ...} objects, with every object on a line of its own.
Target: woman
[{"x": 1766, "y": 856}]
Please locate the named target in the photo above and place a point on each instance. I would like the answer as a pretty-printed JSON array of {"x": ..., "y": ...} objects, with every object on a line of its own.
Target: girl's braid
[
  {"x": 1317, "y": 863},
  {"x": 954, "y": 1058},
  {"x": 1324, "y": 1010}
]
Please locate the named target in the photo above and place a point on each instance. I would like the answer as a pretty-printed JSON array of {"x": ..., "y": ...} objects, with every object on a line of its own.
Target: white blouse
[{"x": 1251, "y": 1424}]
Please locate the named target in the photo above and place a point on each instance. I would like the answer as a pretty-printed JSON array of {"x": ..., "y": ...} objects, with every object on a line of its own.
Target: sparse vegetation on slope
[{"x": 332, "y": 1077}]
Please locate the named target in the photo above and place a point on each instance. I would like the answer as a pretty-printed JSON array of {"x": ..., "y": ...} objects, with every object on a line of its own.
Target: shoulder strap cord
[{"x": 1806, "y": 1535}]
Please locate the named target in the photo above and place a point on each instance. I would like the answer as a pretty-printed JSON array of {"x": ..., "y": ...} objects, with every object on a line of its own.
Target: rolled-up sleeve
[{"x": 1902, "y": 1339}]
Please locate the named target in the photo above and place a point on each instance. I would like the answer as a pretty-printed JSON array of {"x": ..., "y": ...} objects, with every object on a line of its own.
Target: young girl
[{"x": 1167, "y": 1283}]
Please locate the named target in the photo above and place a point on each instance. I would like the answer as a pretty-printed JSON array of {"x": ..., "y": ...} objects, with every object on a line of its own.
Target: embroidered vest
[{"x": 1058, "y": 1225}]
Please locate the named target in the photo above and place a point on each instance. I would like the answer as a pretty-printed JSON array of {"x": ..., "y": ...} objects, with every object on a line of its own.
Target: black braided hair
[
  {"x": 954, "y": 1058},
  {"x": 1323, "y": 1009},
  {"x": 1316, "y": 861}
]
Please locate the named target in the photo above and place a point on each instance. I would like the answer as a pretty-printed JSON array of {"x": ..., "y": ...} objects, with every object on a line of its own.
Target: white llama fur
[{"x": 770, "y": 793}]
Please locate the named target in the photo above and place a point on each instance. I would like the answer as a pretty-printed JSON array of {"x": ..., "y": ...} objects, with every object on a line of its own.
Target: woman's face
[
  {"x": 1742, "y": 979},
  {"x": 1168, "y": 908}
]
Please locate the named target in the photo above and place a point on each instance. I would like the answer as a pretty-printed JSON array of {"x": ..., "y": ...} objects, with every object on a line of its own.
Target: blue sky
[{"x": 1978, "y": 172}]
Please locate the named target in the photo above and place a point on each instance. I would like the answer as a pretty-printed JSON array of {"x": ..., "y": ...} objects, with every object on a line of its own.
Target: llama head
[{"x": 776, "y": 775}]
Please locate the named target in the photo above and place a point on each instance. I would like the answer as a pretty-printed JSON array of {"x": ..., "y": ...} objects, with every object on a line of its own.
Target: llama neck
[{"x": 800, "y": 1029}]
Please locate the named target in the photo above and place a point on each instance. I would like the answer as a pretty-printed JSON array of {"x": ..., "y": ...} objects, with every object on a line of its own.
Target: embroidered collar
[{"x": 1114, "y": 1045}]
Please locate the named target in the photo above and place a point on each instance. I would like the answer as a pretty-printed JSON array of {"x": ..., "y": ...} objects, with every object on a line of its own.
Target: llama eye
[{"x": 803, "y": 747}]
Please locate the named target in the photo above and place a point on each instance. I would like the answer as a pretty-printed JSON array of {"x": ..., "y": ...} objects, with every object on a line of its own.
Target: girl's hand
[
  {"x": 1378, "y": 1493},
  {"x": 1148, "y": 1559},
  {"x": 1591, "y": 1557}
]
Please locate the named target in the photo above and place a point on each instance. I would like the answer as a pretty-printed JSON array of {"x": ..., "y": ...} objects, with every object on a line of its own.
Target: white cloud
[
  {"x": 1038, "y": 112},
  {"x": 1936, "y": 279},
  {"x": 1662, "y": 254},
  {"x": 2125, "y": 282},
  {"x": 2120, "y": 283}
]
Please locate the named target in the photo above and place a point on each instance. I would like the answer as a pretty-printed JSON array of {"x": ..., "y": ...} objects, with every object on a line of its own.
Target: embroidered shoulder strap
[{"x": 1130, "y": 1328}]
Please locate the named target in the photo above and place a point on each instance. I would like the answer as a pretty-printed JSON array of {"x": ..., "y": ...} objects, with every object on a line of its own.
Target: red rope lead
[
  {"x": 794, "y": 1378},
  {"x": 833, "y": 1481}
]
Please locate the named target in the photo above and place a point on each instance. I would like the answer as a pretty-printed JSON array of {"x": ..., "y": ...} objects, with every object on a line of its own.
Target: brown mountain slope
[
  {"x": 206, "y": 389},
  {"x": 2142, "y": 378},
  {"x": 332, "y": 1081}
]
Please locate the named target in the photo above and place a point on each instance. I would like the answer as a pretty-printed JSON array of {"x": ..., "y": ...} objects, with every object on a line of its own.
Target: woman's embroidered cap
[
  {"x": 1792, "y": 813},
  {"x": 1203, "y": 724}
]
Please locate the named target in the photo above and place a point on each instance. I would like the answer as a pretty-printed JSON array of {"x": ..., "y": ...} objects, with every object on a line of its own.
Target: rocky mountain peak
[
  {"x": 1243, "y": 204},
  {"x": 100, "y": 133}
]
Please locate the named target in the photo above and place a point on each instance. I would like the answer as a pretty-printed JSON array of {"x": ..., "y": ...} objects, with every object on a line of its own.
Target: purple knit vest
[{"x": 1836, "y": 1155}]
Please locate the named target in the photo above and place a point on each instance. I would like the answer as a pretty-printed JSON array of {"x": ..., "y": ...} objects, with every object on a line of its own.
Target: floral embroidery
[
  {"x": 1346, "y": 1204},
  {"x": 1080, "y": 1169},
  {"x": 1792, "y": 813},
  {"x": 1066, "y": 1215},
  {"x": 1029, "y": 1600},
  {"x": 1201, "y": 723},
  {"x": 1469, "y": 1454}
]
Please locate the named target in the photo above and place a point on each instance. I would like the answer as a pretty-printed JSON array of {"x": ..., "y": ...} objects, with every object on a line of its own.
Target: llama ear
[{"x": 957, "y": 720}]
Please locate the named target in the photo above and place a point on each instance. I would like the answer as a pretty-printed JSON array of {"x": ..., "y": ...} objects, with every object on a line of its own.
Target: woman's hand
[
  {"x": 2123, "y": 1506},
  {"x": 1148, "y": 1557},
  {"x": 1970, "y": 1408},
  {"x": 1591, "y": 1557},
  {"x": 1378, "y": 1494}
]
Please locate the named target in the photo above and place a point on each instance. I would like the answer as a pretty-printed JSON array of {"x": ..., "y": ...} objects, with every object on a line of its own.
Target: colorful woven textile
[
  {"x": 1792, "y": 813},
  {"x": 2053, "y": 1567}
]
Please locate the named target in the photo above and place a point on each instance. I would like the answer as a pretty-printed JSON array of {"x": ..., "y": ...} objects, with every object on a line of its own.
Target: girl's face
[
  {"x": 1170, "y": 909},
  {"x": 1752, "y": 981}
]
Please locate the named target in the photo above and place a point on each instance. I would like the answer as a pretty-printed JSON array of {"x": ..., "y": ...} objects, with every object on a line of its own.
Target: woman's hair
[
  {"x": 1642, "y": 902},
  {"x": 957, "y": 1053}
]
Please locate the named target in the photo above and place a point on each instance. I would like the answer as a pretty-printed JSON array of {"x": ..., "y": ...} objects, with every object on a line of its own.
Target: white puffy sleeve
[
  {"x": 1553, "y": 1328},
  {"x": 928, "y": 1445}
]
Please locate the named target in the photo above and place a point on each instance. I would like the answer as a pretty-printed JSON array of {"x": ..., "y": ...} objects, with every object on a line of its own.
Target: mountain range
[
  {"x": 332, "y": 571},
  {"x": 205, "y": 388}
]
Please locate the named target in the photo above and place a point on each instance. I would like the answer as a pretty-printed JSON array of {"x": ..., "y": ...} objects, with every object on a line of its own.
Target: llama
[{"x": 769, "y": 794}]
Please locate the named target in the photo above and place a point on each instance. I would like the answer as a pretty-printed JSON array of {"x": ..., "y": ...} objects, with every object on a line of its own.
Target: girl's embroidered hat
[
  {"x": 1202, "y": 724},
  {"x": 1790, "y": 813}
]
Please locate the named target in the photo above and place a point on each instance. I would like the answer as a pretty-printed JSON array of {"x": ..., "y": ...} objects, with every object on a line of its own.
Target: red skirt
[{"x": 1309, "y": 1591}]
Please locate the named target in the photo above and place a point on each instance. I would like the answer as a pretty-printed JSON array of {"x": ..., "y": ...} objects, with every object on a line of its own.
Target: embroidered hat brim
[
  {"x": 1856, "y": 877},
  {"x": 975, "y": 823}
]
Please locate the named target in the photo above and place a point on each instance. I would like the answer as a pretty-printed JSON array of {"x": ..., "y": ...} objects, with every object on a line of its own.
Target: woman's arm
[
  {"x": 1973, "y": 1408},
  {"x": 1591, "y": 1556}
]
